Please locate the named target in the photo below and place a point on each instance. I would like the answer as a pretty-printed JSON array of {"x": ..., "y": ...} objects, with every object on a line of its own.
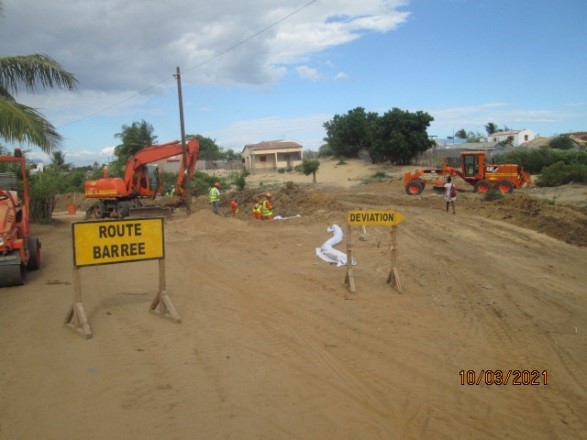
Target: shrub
[
  {"x": 240, "y": 180},
  {"x": 562, "y": 142},
  {"x": 376, "y": 177},
  {"x": 492, "y": 194},
  {"x": 561, "y": 173},
  {"x": 202, "y": 182},
  {"x": 534, "y": 161},
  {"x": 43, "y": 189}
]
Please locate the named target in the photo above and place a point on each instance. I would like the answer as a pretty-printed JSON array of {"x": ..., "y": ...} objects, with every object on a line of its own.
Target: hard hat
[
  {"x": 268, "y": 195},
  {"x": 217, "y": 184}
]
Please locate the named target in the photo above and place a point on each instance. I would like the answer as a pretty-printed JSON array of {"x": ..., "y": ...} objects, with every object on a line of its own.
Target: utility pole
[{"x": 186, "y": 183}]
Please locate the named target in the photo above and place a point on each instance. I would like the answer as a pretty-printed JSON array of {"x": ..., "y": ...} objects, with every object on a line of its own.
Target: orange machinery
[
  {"x": 475, "y": 171},
  {"x": 141, "y": 178},
  {"x": 19, "y": 251}
]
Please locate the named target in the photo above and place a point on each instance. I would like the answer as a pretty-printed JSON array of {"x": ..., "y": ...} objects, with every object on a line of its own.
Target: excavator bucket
[{"x": 12, "y": 272}]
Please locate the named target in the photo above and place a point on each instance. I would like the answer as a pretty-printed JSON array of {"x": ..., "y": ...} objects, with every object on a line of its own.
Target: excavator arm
[
  {"x": 155, "y": 153},
  {"x": 188, "y": 166}
]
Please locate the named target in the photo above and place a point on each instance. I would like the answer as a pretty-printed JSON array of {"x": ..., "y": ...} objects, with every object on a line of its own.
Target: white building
[{"x": 516, "y": 137}]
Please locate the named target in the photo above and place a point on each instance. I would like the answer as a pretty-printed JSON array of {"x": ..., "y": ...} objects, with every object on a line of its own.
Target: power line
[{"x": 218, "y": 55}]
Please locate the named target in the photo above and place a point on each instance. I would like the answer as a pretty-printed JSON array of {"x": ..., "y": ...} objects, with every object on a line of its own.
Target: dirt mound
[{"x": 566, "y": 223}]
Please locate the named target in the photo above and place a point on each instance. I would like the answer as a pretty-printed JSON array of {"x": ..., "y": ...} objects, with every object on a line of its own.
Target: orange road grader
[
  {"x": 19, "y": 251},
  {"x": 141, "y": 179},
  {"x": 474, "y": 170}
]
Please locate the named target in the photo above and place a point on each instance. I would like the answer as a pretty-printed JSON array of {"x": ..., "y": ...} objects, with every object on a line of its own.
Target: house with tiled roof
[
  {"x": 271, "y": 156},
  {"x": 515, "y": 137}
]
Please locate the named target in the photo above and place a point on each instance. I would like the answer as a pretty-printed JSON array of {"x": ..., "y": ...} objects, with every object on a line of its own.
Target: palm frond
[
  {"x": 32, "y": 72},
  {"x": 23, "y": 124}
]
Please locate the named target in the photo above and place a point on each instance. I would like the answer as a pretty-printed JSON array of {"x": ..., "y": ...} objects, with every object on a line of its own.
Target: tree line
[{"x": 397, "y": 136}]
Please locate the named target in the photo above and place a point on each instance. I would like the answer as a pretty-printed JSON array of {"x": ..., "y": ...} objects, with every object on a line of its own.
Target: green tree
[
  {"x": 562, "y": 142},
  {"x": 348, "y": 134},
  {"x": 21, "y": 123},
  {"x": 461, "y": 134},
  {"x": 399, "y": 136},
  {"x": 475, "y": 137},
  {"x": 58, "y": 160},
  {"x": 491, "y": 128},
  {"x": 231, "y": 155},
  {"x": 134, "y": 137},
  {"x": 309, "y": 166},
  {"x": 208, "y": 148}
]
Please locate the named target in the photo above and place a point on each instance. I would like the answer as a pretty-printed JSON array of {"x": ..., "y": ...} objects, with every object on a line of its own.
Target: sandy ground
[{"x": 272, "y": 345}]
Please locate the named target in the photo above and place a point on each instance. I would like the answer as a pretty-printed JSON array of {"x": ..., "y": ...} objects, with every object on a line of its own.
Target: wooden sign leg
[
  {"x": 393, "y": 277},
  {"x": 162, "y": 304},
  {"x": 76, "y": 319},
  {"x": 349, "y": 280}
]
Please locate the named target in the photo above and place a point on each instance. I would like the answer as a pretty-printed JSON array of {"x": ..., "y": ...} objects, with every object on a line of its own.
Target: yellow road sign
[
  {"x": 380, "y": 218},
  {"x": 117, "y": 241}
]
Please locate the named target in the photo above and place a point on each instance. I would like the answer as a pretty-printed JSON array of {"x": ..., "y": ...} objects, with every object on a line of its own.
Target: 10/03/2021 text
[{"x": 503, "y": 377}]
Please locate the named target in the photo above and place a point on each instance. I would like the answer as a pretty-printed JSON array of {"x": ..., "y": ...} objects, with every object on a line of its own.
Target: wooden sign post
[
  {"x": 110, "y": 242},
  {"x": 374, "y": 218}
]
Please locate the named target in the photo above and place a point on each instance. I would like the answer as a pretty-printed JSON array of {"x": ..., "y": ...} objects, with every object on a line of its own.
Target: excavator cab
[{"x": 149, "y": 180}]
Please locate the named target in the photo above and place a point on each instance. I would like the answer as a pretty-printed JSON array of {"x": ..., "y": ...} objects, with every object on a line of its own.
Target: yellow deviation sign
[
  {"x": 381, "y": 218},
  {"x": 117, "y": 241}
]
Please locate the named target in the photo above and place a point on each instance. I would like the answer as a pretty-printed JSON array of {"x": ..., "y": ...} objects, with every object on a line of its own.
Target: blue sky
[{"x": 260, "y": 70}]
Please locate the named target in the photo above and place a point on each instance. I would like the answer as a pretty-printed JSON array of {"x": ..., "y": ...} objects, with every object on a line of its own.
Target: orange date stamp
[{"x": 504, "y": 377}]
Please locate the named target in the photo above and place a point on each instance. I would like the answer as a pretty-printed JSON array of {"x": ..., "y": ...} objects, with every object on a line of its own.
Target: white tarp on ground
[{"x": 327, "y": 251}]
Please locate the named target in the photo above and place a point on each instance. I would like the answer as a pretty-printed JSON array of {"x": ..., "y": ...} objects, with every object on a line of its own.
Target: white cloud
[
  {"x": 342, "y": 76},
  {"x": 306, "y": 72},
  {"x": 307, "y": 130},
  {"x": 122, "y": 45}
]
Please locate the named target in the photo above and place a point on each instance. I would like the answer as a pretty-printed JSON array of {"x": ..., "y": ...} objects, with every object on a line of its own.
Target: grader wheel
[
  {"x": 504, "y": 186},
  {"x": 482, "y": 186},
  {"x": 414, "y": 187}
]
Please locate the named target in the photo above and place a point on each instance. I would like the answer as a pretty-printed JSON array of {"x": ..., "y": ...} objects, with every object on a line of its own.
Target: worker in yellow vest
[
  {"x": 267, "y": 208},
  {"x": 215, "y": 197}
]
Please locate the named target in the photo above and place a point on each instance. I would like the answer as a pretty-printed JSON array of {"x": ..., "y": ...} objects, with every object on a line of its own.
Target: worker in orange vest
[
  {"x": 234, "y": 207},
  {"x": 267, "y": 208},
  {"x": 257, "y": 210}
]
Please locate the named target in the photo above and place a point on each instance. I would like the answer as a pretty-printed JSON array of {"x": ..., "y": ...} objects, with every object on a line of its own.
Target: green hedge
[
  {"x": 562, "y": 173},
  {"x": 534, "y": 161}
]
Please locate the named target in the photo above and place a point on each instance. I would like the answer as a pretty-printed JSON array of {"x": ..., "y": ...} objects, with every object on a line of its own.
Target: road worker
[
  {"x": 257, "y": 210},
  {"x": 233, "y": 207},
  {"x": 267, "y": 208},
  {"x": 215, "y": 197}
]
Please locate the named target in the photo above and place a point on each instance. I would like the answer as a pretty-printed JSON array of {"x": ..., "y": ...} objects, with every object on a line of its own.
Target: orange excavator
[
  {"x": 142, "y": 179},
  {"x": 19, "y": 251},
  {"x": 474, "y": 170}
]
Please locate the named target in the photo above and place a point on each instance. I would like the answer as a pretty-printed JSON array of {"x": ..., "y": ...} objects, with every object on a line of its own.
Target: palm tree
[
  {"x": 134, "y": 137},
  {"x": 21, "y": 123},
  {"x": 58, "y": 160}
]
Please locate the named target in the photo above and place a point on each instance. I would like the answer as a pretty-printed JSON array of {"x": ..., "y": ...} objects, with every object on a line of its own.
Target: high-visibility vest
[
  {"x": 266, "y": 211},
  {"x": 214, "y": 194}
]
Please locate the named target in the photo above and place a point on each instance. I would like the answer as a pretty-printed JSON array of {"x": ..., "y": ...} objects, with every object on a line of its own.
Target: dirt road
[{"x": 273, "y": 346}]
